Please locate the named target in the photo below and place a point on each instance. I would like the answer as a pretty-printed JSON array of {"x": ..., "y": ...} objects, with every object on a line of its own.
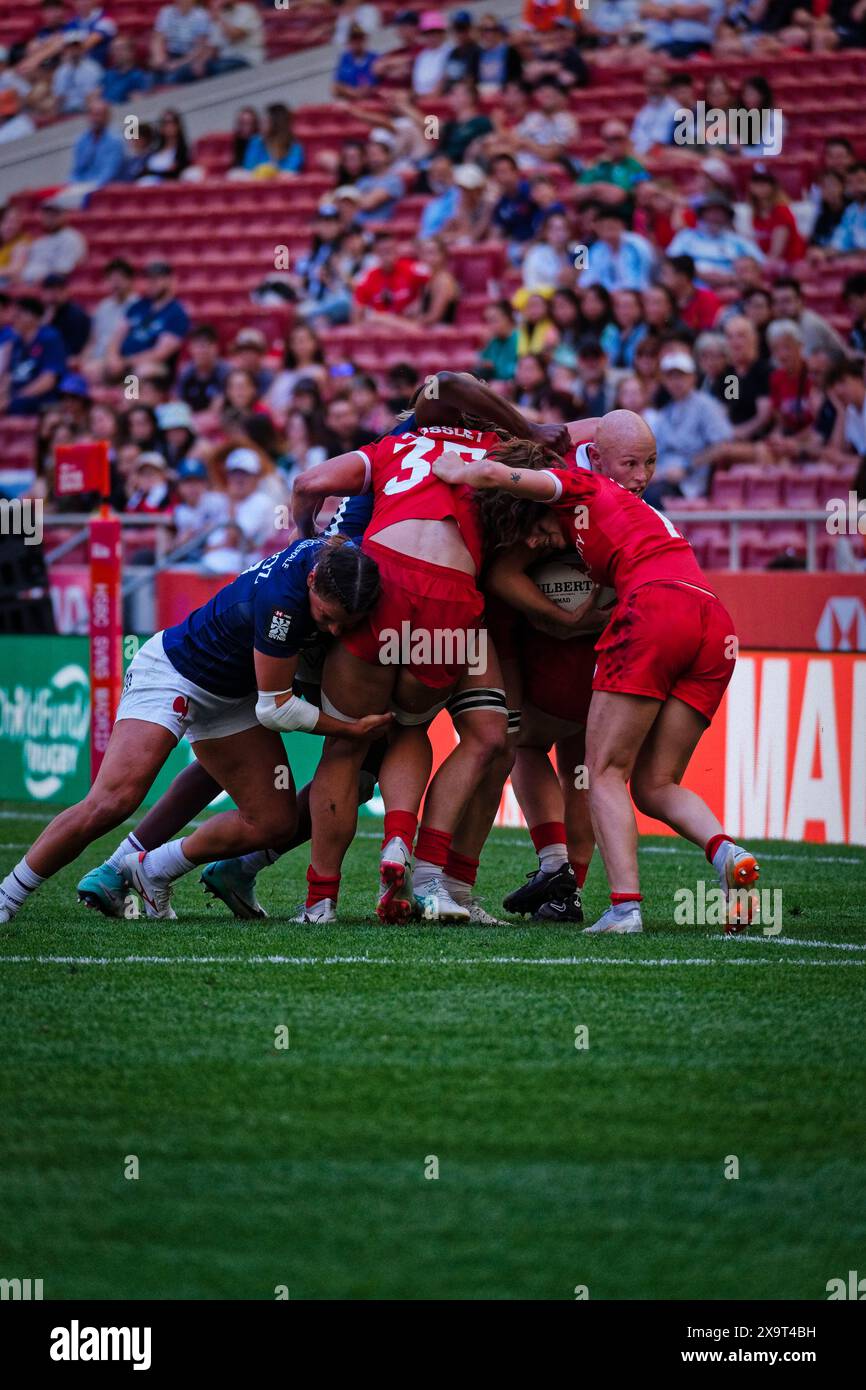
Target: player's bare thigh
[
  {"x": 616, "y": 727},
  {"x": 352, "y": 687},
  {"x": 253, "y": 768},
  {"x": 668, "y": 747}
]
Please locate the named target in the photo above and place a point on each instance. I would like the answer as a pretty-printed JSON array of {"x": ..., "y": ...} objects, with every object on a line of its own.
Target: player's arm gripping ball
[{"x": 508, "y": 580}]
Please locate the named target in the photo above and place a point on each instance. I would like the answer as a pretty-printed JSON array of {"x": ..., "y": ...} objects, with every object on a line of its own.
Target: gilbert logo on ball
[{"x": 563, "y": 580}]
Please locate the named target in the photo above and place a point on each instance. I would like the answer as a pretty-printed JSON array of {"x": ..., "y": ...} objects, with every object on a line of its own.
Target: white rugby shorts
[{"x": 156, "y": 692}]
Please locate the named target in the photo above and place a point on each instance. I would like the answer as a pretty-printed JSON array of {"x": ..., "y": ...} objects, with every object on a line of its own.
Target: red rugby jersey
[
  {"x": 405, "y": 487},
  {"x": 622, "y": 540}
]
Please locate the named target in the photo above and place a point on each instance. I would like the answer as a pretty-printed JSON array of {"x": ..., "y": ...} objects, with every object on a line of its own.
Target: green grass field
[{"x": 305, "y": 1167}]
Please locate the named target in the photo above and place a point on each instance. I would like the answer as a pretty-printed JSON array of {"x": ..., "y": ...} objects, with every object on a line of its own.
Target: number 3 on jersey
[{"x": 416, "y": 463}]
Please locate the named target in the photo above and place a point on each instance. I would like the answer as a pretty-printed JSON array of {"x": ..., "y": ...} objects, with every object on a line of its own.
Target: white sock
[
  {"x": 168, "y": 861},
  {"x": 128, "y": 846},
  {"x": 423, "y": 874},
  {"x": 721, "y": 854},
  {"x": 259, "y": 859},
  {"x": 19, "y": 884},
  {"x": 552, "y": 857},
  {"x": 461, "y": 892}
]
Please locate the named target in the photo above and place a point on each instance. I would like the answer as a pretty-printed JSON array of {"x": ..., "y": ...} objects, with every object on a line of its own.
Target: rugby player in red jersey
[
  {"x": 426, "y": 539},
  {"x": 664, "y": 662},
  {"x": 552, "y": 669}
]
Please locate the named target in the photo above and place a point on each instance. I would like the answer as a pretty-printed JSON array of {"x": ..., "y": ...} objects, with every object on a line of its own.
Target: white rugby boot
[{"x": 154, "y": 892}]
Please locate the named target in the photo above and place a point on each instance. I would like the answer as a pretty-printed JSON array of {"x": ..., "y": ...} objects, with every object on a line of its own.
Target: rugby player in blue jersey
[{"x": 223, "y": 679}]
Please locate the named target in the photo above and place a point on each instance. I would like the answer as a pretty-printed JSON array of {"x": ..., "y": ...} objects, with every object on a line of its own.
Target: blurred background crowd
[{"x": 513, "y": 198}]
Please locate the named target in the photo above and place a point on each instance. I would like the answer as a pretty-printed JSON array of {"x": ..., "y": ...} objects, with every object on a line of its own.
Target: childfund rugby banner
[
  {"x": 45, "y": 724},
  {"x": 785, "y": 757}
]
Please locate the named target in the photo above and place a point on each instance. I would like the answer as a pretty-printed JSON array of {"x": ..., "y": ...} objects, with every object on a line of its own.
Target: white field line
[{"x": 402, "y": 964}]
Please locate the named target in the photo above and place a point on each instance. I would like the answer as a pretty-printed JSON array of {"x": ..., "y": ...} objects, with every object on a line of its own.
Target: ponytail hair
[{"x": 345, "y": 573}]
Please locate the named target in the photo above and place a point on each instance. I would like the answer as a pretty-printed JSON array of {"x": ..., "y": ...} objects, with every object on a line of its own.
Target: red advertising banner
[
  {"x": 106, "y": 632},
  {"x": 80, "y": 468},
  {"x": 794, "y": 610},
  {"x": 785, "y": 757}
]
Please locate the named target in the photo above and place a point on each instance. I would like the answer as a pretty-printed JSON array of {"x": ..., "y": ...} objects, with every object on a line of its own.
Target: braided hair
[{"x": 346, "y": 574}]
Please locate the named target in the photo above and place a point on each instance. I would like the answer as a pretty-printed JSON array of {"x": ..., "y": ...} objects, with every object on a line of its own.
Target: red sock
[
  {"x": 403, "y": 824},
  {"x": 461, "y": 867},
  {"x": 319, "y": 888},
  {"x": 580, "y": 871},
  {"x": 713, "y": 845},
  {"x": 550, "y": 832},
  {"x": 617, "y": 898},
  {"x": 433, "y": 846}
]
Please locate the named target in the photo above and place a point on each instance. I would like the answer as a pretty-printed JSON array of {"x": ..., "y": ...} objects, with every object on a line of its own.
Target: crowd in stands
[{"x": 680, "y": 294}]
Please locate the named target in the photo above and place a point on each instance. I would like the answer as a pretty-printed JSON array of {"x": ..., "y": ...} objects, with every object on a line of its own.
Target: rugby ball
[{"x": 563, "y": 580}]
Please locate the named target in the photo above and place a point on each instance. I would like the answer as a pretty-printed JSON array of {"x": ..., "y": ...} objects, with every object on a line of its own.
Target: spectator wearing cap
[
  {"x": 617, "y": 171},
  {"x": 690, "y": 430},
  {"x": 546, "y": 133},
  {"x": 183, "y": 42},
  {"x": 75, "y": 401},
  {"x": 251, "y": 505},
  {"x": 618, "y": 259},
  {"x": 36, "y": 360},
  {"x": 108, "y": 314},
  {"x": 382, "y": 188},
  {"x": 464, "y": 53},
  {"x": 713, "y": 244},
  {"x": 396, "y": 65},
  {"x": 472, "y": 215},
  {"x": 177, "y": 427},
  {"x": 850, "y": 235},
  {"x": 515, "y": 213},
  {"x": 653, "y": 124},
  {"x": 201, "y": 383},
  {"x": 76, "y": 77},
  {"x": 391, "y": 286},
  {"x": 153, "y": 328},
  {"x": 123, "y": 76},
  {"x": 14, "y": 123},
  {"x": 60, "y": 248},
  {"x": 239, "y": 36},
  {"x": 70, "y": 320},
  {"x": 355, "y": 12},
  {"x": 151, "y": 492},
  {"x": 465, "y": 125},
  {"x": 199, "y": 507},
  {"x": 248, "y": 353},
  {"x": 97, "y": 155},
  {"x": 428, "y": 69},
  {"x": 698, "y": 307},
  {"x": 320, "y": 277},
  {"x": 275, "y": 150},
  {"x": 498, "y": 61},
  {"x": 356, "y": 69},
  {"x": 818, "y": 334}
]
